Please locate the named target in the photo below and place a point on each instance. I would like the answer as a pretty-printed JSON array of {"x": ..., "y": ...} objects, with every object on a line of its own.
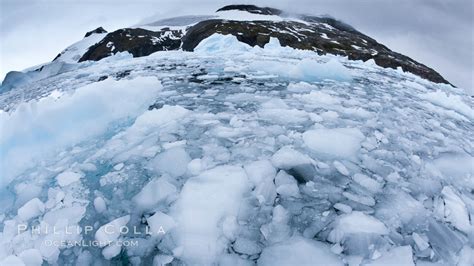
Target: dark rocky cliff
[{"x": 322, "y": 35}]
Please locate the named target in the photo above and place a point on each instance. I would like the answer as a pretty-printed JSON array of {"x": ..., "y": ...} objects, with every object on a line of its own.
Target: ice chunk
[
  {"x": 354, "y": 223},
  {"x": 26, "y": 191},
  {"x": 205, "y": 201},
  {"x": 111, "y": 251},
  {"x": 246, "y": 246},
  {"x": 343, "y": 207},
  {"x": 265, "y": 192},
  {"x": 455, "y": 210},
  {"x": 286, "y": 185},
  {"x": 230, "y": 227},
  {"x": 438, "y": 235},
  {"x": 298, "y": 165},
  {"x": 337, "y": 142},
  {"x": 31, "y": 209},
  {"x": 298, "y": 251},
  {"x": 420, "y": 242},
  {"x": 367, "y": 182},
  {"x": 119, "y": 166},
  {"x": 99, "y": 204},
  {"x": 234, "y": 260},
  {"x": 466, "y": 256},
  {"x": 307, "y": 69},
  {"x": 173, "y": 162},
  {"x": 283, "y": 115},
  {"x": 31, "y": 257},
  {"x": 111, "y": 231},
  {"x": 397, "y": 256},
  {"x": 195, "y": 166},
  {"x": 153, "y": 193},
  {"x": 398, "y": 208},
  {"x": 341, "y": 168},
  {"x": 38, "y": 129},
  {"x": 68, "y": 177},
  {"x": 287, "y": 157},
  {"x": 160, "y": 223},
  {"x": 321, "y": 98},
  {"x": 74, "y": 214},
  {"x": 278, "y": 229},
  {"x": 259, "y": 171},
  {"x": 362, "y": 199},
  {"x": 162, "y": 260},
  {"x": 451, "y": 102},
  {"x": 12, "y": 260},
  {"x": 301, "y": 87},
  {"x": 218, "y": 43}
]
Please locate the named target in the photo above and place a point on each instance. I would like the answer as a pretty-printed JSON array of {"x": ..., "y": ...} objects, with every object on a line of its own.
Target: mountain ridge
[{"x": 252, "y": 25}]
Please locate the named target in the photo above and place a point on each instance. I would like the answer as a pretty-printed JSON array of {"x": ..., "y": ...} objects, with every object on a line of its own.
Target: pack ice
[{"x": 236, "y": 155}]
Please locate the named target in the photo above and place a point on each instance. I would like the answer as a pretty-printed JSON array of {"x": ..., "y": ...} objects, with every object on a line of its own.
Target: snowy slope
[
  {"x": 73, "y": 53},
  {"x": 236, "y": 155}
]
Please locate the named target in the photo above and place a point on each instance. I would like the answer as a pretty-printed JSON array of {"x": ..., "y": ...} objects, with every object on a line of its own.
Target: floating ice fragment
[
  {"x": 12, "y": 260},
  {"x": 341, "y": 168},
  {"x": 153, "y": 193},
  {"x": 111, "y": 231},
  {"x": 31, "y": 257},
  {"x": 278, "y": 229},
  {"x": 162, "y": 260},
  {"x": 31, "y": 209},
  {"x": 336, "y": 142},
  {"x": 218, "y": 43},
  {"x": 160, "y": 223},
  {"x": 354, "y": 223},
  {"x": 298, "y": 251},
  {"x": 286, "y": 185},
  {"x": 455, "y": 210},
  {"x": 450, "y": 102},
  {"x": 421, "y": 243},
  {"x": 367, "y": 182},
  {"x": 203, "y": 204},
  {"x": 173, "y": 161},
  {"x": 111, "y": 251},
  {"x": 68, "y": 177},
  {"x": 99, "y": 205},
  {"x": 397, "y": 256},
  {"x": 246, "y": 246},
  {"x": 343, "y": 207}
]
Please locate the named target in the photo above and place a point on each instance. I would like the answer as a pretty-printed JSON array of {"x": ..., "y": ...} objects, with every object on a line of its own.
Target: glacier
[{"x": 236, "y": 155}]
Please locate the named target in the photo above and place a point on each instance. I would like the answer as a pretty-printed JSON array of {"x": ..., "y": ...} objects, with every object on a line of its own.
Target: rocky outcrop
[
  {"x": 138, "y": 42},
  {"x": 323, "y": 35},
  {"x": 98, "y": 30},
  {"x": 252, "y": 9}
]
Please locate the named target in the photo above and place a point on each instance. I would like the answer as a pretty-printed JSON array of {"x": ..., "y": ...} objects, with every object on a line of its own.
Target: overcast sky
[{"x": 438, "y": 33}]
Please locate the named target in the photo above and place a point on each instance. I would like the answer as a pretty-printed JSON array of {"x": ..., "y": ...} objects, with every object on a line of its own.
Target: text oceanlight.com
[{"x": 90, "y": 243}]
